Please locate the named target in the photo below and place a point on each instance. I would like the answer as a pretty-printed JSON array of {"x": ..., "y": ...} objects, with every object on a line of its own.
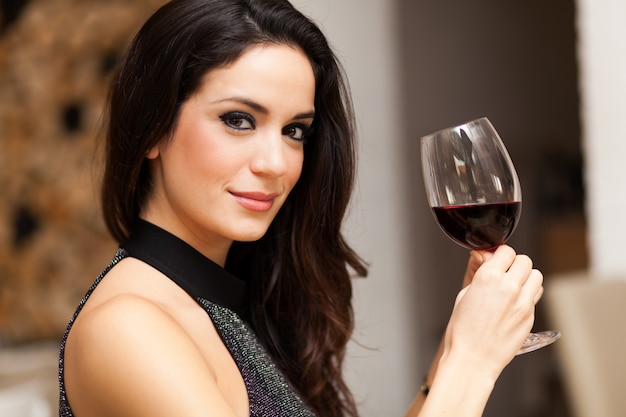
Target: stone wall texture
[{"x": 56, "y": 57}]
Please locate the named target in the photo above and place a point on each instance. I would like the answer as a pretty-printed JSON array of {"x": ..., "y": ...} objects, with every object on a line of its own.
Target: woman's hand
[
  {"x": 492, "y": 315},
  {"x": 495, "y": 310}
]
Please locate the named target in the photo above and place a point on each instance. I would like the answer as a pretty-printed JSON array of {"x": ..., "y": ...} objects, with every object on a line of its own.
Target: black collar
[{"x": 199, "y": 276}]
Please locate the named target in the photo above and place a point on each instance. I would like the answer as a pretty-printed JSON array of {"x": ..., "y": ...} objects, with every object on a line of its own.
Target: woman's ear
[{"x": 153, "y": 152}]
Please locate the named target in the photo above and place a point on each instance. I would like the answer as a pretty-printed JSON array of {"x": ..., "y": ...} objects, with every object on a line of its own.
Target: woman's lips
[{"x": 255, "y": 201}]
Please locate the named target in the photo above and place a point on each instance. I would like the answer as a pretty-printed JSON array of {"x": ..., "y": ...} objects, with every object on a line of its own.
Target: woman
[{"x": 229, "y": 167}]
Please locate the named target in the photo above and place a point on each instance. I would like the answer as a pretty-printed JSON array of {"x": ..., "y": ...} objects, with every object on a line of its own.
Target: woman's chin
[{"x": 250, "y": 236}]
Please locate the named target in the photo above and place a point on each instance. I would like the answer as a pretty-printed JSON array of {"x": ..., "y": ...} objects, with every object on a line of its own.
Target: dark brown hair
[{"x": 299, "y": 271}]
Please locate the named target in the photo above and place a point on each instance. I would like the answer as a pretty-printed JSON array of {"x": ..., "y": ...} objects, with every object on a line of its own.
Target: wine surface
[{"x": 479, "y": 226}]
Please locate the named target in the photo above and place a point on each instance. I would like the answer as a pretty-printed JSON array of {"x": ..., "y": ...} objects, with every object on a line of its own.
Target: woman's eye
[
  {"x": 298, "y": 132},
  {"x": 238, "y": 121}
]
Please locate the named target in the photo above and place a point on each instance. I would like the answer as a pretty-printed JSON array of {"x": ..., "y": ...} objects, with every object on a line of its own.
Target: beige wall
[{"x": 602, "y": 61}]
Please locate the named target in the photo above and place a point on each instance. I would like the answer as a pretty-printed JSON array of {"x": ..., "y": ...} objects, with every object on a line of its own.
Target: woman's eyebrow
[
  {"x": 252, "y": 104},
  {"x": 307, "y": 115},
  {"x": 262, "y": 109}
]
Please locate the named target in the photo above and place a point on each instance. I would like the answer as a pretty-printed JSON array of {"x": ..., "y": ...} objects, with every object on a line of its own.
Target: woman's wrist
[{"x": 459, "y": 386}]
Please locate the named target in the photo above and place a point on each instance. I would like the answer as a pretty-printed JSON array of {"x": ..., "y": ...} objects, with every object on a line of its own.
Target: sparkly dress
[{"x": 223, "y": 297}]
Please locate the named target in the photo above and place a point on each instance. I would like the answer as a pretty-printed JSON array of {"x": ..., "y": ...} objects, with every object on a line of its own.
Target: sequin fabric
[{"x": 269, "y": 393}]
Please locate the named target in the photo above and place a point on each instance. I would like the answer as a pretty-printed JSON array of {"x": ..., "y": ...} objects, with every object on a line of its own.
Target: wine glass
[{"x": 474, "y": 192}]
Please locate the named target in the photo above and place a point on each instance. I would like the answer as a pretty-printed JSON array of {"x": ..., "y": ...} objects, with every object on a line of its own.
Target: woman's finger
[
  {"x": 533, "y": 287},
  {"x": 520, "y": 269},
  {"x": 497, "y": 264},
  {"x": 503, "y": 257},
  {"x": 476, "y": 259}
]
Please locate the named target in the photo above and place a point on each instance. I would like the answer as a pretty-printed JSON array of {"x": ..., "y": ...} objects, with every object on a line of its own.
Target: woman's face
[{"x": 236, "y": 151}]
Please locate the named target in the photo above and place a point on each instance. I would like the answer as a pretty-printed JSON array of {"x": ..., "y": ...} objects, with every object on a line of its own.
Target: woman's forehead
[{"x": 264, "y": 73}]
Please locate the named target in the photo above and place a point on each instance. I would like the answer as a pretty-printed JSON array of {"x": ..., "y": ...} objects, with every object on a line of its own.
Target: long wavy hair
[{"x": 300, "y": 272}]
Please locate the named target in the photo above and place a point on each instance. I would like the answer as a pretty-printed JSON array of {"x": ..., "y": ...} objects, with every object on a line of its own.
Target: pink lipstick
[{"x": 255, "y": 201}]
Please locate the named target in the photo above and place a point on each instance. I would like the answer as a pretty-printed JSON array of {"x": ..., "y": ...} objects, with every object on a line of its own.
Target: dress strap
[{"x": 198, "y": 275}]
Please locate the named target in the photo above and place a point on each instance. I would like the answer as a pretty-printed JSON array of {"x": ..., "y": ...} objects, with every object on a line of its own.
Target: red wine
[{"x": 479, "y": 226}]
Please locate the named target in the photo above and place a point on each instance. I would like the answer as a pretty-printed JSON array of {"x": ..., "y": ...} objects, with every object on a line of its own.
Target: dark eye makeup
[
  {"x": 237, "y": 120},
  {"x": 298, "y": 131}
]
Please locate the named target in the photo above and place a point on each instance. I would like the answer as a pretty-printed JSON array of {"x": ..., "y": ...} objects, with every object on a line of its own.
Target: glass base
[{"x": 536, "y": 341}]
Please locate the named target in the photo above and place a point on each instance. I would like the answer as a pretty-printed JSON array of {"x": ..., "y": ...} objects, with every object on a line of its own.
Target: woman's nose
[{"x": 270, "y": 156}]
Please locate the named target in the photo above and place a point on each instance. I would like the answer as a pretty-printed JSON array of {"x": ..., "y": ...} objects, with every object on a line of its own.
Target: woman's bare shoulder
[{"x": 128, "y": 354}]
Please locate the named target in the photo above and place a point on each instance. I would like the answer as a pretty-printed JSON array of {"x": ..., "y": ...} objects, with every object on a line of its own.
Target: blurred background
[{"x": 548, "y": 74}]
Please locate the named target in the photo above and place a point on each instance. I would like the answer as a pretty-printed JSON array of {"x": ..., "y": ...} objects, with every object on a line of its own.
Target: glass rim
[{"x": 458, "y": 126}]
